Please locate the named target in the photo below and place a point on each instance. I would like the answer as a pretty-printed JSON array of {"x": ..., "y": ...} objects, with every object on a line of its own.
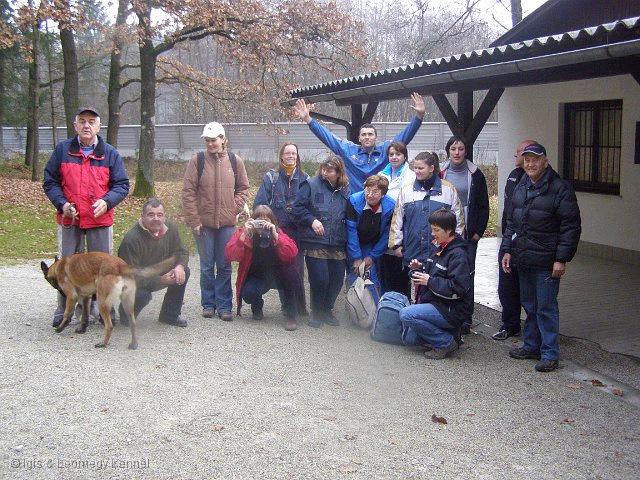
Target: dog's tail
[{"x": 156, "y": 270}]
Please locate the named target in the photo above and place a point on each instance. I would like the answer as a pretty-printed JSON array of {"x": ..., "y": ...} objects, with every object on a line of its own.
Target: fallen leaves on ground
[
  {"x": 217, "y": 427},
  {"x": 568, "y": 420},
  {"x": 618, "y": 392},
  {"x": 575, "y": 386},
  {"x": 597, "y": 383},
  {"x": 437, "y": 419}
]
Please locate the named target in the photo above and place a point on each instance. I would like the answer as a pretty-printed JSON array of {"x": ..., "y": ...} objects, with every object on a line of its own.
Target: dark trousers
[
  {"x": 284, "y": 278},
  {"x": 472, "y": 250},
  {"x": 394, "y": 277},
  {"x": 301, "y": 301},
  {"x": 326, "y": 278},
  {"x": 171, "y": 304},
  {"x": 509, "y": 294}
]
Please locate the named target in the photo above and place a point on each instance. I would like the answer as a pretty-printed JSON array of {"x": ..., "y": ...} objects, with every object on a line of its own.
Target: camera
[{"x": 262, "y": 232}]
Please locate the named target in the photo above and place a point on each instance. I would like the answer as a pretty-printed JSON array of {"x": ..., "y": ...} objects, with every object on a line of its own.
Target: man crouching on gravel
[{"x": 151, "y": 240}]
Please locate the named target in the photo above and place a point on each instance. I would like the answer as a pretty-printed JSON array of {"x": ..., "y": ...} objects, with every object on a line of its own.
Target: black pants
[
  {"x": 509, "y": 294},
  {"x": 394, "y": 277},
  {"x": 171, "y": 304},
  {"x": 284, "y": 278}
]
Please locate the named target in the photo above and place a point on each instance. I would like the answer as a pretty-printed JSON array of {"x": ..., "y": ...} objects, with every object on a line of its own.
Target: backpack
[
  {"x": 362, "y": 300},
  {"x": 387, "y": 327},
  {"x": 232, "y": 160}
]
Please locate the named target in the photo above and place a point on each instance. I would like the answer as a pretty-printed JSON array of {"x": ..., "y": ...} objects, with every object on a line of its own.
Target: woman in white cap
[{"x": 214, "y": 192}]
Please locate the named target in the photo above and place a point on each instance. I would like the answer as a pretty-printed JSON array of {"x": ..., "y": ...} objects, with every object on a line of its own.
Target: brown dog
[{"x": 82, "y": 275}]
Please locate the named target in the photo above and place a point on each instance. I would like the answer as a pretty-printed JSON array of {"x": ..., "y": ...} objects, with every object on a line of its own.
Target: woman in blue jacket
[
  {"x": 368, "y": 221},
  {"x": 320, "y": 209},
  {"x": 278, "y": 191}
]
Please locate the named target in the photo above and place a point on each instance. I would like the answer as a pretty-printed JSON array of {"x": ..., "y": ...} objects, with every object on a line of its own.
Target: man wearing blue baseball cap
[{"x": 542, "y": 234}]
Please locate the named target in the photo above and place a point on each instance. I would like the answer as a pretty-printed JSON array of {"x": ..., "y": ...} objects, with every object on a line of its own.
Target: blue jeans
[
  {"x": 426, "y": 321},
  {"x": 539, "y": 297},
  {"x": 215, "y": 270},
  {"x": 326, "y": 278}
]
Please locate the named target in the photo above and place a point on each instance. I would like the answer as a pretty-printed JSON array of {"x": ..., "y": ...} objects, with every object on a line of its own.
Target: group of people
[{"x": 413, "y": 229}]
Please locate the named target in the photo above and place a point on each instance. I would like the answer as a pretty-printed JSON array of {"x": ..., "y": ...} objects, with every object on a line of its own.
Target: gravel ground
[{"x": 248, "y": 400}]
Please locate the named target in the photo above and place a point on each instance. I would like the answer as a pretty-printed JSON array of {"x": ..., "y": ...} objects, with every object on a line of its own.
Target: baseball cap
[
  {"x": 87, "y": 109},
  {"x": 535, "y": 149},
  {"x": 212, "y": 130}
]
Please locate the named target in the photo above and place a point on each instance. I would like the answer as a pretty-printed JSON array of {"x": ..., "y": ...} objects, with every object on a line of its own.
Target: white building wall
[{"x": 534, "y": 112}]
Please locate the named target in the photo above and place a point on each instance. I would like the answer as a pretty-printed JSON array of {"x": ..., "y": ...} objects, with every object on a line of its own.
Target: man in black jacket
[
  {"x": 542, "y": 234},
  {"x": 152, "y": 240},
  {"x": 508, "y": 284}
]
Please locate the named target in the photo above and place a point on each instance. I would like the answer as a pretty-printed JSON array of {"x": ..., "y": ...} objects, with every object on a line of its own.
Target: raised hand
[
  {"x": 303, "y": 110},
  {"x": 417, "y": 104}
]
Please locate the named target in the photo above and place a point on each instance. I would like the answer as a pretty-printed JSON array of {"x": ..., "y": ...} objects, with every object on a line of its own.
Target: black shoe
[
  {"x": 176, "y": 322},
  {"x": 503, "y": 334},
  {"x": 257, "y": 314},
  {"x": 522, "y": 354},
  {"x": 465, "y": 329},
  {"x": 546, "y": 365}
]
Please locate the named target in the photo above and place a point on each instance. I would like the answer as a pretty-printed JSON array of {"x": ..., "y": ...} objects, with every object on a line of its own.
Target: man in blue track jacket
[{"x": 368, "y": 158}]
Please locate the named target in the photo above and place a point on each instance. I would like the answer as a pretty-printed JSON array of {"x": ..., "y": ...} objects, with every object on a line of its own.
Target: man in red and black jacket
[{"x": 85, "y": 179}]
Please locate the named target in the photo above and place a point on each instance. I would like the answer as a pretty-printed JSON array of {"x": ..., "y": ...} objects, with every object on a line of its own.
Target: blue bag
[{"x": 387, "y": 327}]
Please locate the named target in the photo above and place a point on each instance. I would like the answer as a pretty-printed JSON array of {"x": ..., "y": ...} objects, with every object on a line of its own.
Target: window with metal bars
[{"x": 592, "y": 144}]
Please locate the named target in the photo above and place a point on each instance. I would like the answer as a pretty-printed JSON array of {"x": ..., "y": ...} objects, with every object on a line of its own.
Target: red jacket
[{"x": 242, "y": 251}]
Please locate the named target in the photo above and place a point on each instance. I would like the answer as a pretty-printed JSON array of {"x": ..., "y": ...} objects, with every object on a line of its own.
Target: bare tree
[
  {"x": 115, "y": 72},
  {"x": 268, "y": 42}
]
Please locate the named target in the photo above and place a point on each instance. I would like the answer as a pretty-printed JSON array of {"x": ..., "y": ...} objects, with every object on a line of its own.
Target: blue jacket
[
  {"x": 317, "y": 199},
  {"x": 280, "y": 197},
  {"x": 354, "y": 252},
  {"x": 71, "y": 177},
  {"x": 361, "y": 164},
  {"x": 410, "y": 227}
]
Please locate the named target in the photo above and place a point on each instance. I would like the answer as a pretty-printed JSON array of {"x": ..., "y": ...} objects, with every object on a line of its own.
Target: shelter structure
[{"x": 568, "y": 76}]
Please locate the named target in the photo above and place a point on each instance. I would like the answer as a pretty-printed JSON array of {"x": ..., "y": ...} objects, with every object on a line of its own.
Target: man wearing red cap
[{"x": 85, "y": 179}]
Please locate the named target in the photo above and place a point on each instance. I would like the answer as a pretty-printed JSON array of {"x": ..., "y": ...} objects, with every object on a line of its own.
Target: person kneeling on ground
[
  {"x": 152, "y": 240},
  {"x": 267, "y": 258},
  {"x": 444, "y": 296}
]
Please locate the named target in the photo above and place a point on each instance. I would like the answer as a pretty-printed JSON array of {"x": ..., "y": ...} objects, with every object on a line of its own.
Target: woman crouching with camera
[
  {"x": 267, "y": 260},
  {"x": 444, "y": 298}
]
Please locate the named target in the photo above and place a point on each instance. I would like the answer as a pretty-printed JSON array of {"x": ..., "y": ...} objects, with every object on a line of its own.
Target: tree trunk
[
  {"x": 2, "y": 94},
  {"x": 70, "y": 90},
  {"x": 115, "y": 69},
  {"x": 31, "y": 154},
  {"x": 144, "y": 173},
  {"x": 516, "y": 12},
  {"x": 51, "y": 102}
]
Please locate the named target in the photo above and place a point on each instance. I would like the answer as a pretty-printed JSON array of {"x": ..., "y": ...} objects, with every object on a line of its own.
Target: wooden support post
[
  {"x": 369, "y": 112},
  {"x": 448, "y": 113},
  {"x": 482, "y": 115},
  {"x": 465, "y": 117},
  {"x": 356, "y": 120}
]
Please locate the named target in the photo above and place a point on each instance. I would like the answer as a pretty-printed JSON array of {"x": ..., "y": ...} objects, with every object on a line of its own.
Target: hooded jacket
[
  {"x": 70, "y": 177},
  {"x": 358, "y": 203}
]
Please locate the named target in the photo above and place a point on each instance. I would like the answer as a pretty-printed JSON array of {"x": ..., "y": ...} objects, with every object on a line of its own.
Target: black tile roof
[{"x": 600, "y": 35}]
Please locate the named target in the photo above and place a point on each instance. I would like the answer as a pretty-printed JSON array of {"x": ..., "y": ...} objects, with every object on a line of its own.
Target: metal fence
[{"x": 260, "y": 142}]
